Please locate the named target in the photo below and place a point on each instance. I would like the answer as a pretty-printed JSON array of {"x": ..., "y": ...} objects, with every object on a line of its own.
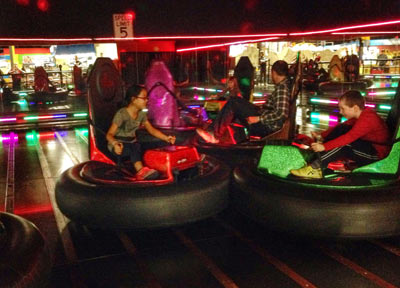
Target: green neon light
[
  {"x": 80, "y": 114},
  {"x": 82, "y": 131},
  {"x": 314, "y": 115},
  {"x": 385, "y": 107},
  {"x": 31, "y": 118},
  {"x": 32, "y": 137}
]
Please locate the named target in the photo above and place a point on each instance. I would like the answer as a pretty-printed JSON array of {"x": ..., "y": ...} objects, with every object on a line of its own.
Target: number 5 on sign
[{"x": 123, "y": 25}]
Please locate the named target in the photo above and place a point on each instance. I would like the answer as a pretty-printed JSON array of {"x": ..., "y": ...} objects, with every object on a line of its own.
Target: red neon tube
[
  {"x": 346, "y": 28},
  {"x": 225, "y": 44},
  {"x": 366, "y": 32},
  {"x": 193, "y": 37}
]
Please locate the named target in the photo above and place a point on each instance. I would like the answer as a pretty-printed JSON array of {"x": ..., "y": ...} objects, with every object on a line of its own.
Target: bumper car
[
  {"x": 360, "y": 203},
  {"x": 101, "y": 194},
  {"x": 237, "y": 144},
  {"x": 25, "y": 258},
  {"x": 344, "y": 75},
  {"x": 341, "y": 87},
  {"x": 166, "y": 111}
]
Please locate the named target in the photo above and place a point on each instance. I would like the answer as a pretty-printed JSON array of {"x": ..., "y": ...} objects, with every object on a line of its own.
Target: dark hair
[
  {"x": 281, "y": 68},
  {"x": 132, "y": 91},
  {"x": 353, "y": 97}
]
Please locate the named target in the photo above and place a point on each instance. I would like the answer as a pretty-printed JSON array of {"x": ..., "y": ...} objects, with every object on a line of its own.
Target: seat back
[
  {"x": 162, "y": 105},
  {"x": 105, "y": 97},
  {"x": 288, "y": 129},
  {"x": 41, "y": 80},
  {"x": 244, "y": 73}
]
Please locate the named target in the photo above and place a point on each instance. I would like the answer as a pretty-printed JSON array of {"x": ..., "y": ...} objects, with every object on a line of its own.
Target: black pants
[
  {"x": 238, "y": 108},
  {"x": 133, "y": 151},
  {"x": 360, "y": 151}
]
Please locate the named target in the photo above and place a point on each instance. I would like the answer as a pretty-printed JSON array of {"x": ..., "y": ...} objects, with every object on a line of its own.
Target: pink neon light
[
  {"x": 7, "y": 119},
  {"x": 366, "y": 32},
  {"x": 45, "y": 39},
  {"x": 370, "y": 105},
  {"x": 8, "y": 138},
  {"x": 225, "y": 44},
  {"x": 346, "y": 28},
  {"x": 192, "y": 37}
]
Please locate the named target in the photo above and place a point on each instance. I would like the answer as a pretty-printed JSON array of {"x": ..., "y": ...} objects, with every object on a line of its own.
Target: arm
[
  {"x": 361, "y": 127},
  {"x": 117, "y": 146},
  {"x": 158, "y": 134}
]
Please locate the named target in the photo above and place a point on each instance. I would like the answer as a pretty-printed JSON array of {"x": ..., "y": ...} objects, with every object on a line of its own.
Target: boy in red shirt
[{"x": 362, "y": 138}]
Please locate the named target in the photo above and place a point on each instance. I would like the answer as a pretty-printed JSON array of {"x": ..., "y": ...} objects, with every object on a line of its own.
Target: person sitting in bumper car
[
  {"x": 121, "y": 135},
  {"x": 362, "y": 138},
  {"x": 261, "y": 121}
]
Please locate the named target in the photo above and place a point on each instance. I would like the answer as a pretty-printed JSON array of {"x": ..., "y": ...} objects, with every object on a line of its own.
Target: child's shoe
[
  {"x": 147, "y": 173},
  {"x": 207, "y": 136},
  {"x": 307, "y": 172}
]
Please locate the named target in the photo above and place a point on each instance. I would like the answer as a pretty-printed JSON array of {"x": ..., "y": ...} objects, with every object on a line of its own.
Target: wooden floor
[{"x": 226, "y": 251}]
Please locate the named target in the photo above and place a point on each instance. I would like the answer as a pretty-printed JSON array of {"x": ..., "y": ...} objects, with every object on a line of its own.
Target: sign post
[{"x": 123, "y": 25}]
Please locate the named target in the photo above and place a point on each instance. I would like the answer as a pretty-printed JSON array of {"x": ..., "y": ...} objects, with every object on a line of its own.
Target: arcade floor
[
  {"x": 225, "y": 251},
  {"x": 228, "y": 250}
]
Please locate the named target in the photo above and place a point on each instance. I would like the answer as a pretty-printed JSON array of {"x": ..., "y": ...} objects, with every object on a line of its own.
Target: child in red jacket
[{"x": 362, "y": 138}]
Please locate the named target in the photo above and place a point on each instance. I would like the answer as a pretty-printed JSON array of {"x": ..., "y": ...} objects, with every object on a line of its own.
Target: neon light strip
[
  {"x": 197, "y": 97},
  {"x": 259, "y": 102},
  {"x": 207, "y": 89},
  {"x": 366, "y": 32},
  {"x": 191, "y": 37},
  {"x": 209, "y": 36},
  {"x": 318, "y": 116},
  {"x": 345, "y": 28},
  {"x": 80, "y": 114},
  {"x": 333, "y": 118},
  {"x": 46, "y": 39},
  {"x": 8, "y": 119},
  {"x": 382, "y": 77},
  {"x": 225, "y": 44},
  {"x": 385, "y": 107},
  {"x": 382, "y": 93},
  {"x": 8, "y": 137},
  {"x": 318, "y": 100},
  {"x": 324, "y": 101},
  {"x": 45, "y": 117}
]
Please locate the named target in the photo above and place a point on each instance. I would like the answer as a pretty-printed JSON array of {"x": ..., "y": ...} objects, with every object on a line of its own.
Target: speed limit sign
[{"x": 123, "y": 25}]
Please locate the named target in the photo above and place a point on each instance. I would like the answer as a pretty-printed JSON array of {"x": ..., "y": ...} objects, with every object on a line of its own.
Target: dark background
[{"x": 167, "y": 17}]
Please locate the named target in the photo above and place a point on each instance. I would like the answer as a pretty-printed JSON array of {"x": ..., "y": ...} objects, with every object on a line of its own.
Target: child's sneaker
[
  {"x": 147, "y": 173},
  {"x": 207, "y": 136},
  {"x": 307, "y": 172}
]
